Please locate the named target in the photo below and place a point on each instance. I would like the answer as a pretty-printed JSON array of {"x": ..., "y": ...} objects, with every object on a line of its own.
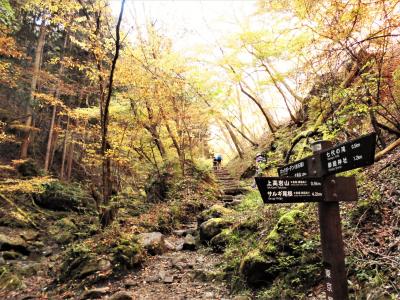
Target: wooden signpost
[{"x": 312, "y": 180}]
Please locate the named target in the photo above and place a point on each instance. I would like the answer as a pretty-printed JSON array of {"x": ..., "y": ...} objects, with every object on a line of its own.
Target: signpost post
[{"x": 312, "y": 180}]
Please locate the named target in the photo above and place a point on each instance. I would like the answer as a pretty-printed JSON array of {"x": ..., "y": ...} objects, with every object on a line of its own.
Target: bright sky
[
  {"x": 192, "y": 23},
  {"x": 189, "y": 22}
]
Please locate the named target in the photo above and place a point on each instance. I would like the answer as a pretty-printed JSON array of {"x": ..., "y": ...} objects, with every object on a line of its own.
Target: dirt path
[{"x": 176, "y": 275}]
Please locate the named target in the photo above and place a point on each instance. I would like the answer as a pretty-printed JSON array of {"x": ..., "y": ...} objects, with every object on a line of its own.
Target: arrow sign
[
  {"x": 306, "y": 189},
  {"x": 343, "y": 157},
  {"x": 297, "y": 169},
  {"x": 347, "y": 156},
  {"x": 290, "y": 189}
]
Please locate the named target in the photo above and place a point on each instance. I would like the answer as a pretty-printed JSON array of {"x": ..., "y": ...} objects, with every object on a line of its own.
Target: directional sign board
[
  {"x": 296, "y": 169},
  {"x": 290, "y": 189},
  {"x": 347, "y": 156},
  {"x": 343, "y": 157}
]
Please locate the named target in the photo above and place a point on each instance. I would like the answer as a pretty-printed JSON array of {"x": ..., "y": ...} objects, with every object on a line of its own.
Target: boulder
[
  {"x": 28, "y": 168},
  {"x": 63, "y": 197},
  {"x": 257, "y": 269},
  {"x": 95, "y": 293},
  {"x": 189, "y": 243},
  {"x": 121, "y": 295},
  {"x": 14, "y": 243},
  {"x": 221, "y": 240},
  {"x": 216, "y": 211},
  {"x": 212, "y": 227},
  {"x": 157, "y": 187},
  {"x": 153, "y": 242},
  {"x": 11, "y": 255},
  {"x": 83, "y": 266}
]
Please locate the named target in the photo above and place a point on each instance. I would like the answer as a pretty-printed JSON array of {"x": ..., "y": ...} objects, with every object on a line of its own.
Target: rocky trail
[
  {"x": 232, "y": 191},
  {"x": 179, "y": 265}
]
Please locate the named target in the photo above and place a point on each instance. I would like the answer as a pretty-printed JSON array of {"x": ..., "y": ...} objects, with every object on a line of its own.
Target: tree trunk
[
  {"x": 54, "y": 143},
  {"x": 107, "y": 214},
  {"x": 70, "y": 157},
  {"x": 50, "y": 139},
  {"x": 288, "y": 88},
  {"x": 274, "y": 81},
  {"x": 254, "y": 144},
  {"x": 64, "y": 153},
  {"x": 53, "y": 116},
  {"x": 35, "y": 76},
  {"x": 234, "y": 140},
  {"x": 268, "y": 118}
]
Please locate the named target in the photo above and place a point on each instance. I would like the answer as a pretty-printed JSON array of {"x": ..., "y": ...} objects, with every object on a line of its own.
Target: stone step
[
  {"x": 234, "y": 191},
  {"x": 227, "y": 198},
  {"x": 232, "y": 204}
]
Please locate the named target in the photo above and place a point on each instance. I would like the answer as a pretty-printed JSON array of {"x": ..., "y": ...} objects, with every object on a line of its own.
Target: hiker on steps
[
  {"x": 218, "y": 159},
  {"x": 260, "y": 166}
]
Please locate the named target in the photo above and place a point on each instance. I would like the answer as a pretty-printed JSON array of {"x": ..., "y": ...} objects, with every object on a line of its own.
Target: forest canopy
[{"x": 116, "y": 109}]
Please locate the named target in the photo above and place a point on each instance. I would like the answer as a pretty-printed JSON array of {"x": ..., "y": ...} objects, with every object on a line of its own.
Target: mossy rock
[
  {"x": 64, "y": 197},
  {"x": 63, "y": 231},
  {"x": 128, "y": 252},
  {"x": 29, "y": 168},
  {"x": 9, "y": 280},
  {"x": 11, "y": 255},
  {"x": 78, "y": 263},
  {"x": 14, "y": 243},
  {"x": 254, "y": 268},
  {"x": 284, "y": 251},
  {"x": 221, "y": 240},
  {"x": 288, "y": 233},
  {"x": 212, "y": 227},
  {"x": 216, "y": 211}
]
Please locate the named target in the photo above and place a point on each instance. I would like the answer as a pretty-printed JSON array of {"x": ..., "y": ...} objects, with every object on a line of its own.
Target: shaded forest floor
[{"x": 209, "y": 249}]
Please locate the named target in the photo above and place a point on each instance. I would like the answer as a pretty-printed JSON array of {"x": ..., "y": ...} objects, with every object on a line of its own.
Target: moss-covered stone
[
  {"x": 128, "y": 252},
  {"x": 283, "y": 253},
  {"x": 28, "y": 168},
  {"x": 153, "y": 242},
  {"x": 221, "y": 240},
  {"x": 64, "y": 197},
  {"x": 63, "y": 231},
  {"x": 216, "y": 211},
  {"x": 254, "y": 268},
  {"x": 9, "y": 280},
  {"x": 212, "y": 227}
]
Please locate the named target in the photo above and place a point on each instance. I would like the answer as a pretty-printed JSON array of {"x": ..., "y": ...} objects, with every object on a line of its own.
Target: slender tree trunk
[
  {"x": 284, "y": 83},
  {"x": 268, "y": 118},
  {"x": 29, "y": 111},
  {"x": 70, "y": 157},
  {"x": 276, "y": 84},
  {"x": 234, "y": 140},
  {"x": 107, "y": 215},
  {"x": 50, "y": 139},
  {"x": 53, "y": 116},
  {"x": 54, "y": 143},
  {"x": 64, "y": 153},
  {"x": 254, "y": 144}
]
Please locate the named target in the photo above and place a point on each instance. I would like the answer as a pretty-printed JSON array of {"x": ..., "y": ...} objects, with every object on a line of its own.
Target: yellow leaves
[
  {"x": 49, "y": 100},
  {"x": 34, "y": 185},
  {"x": 85, "y": 113}
]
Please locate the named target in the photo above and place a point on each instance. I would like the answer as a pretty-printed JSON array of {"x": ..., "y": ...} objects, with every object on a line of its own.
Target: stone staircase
[{"x": 232, "y": 191}]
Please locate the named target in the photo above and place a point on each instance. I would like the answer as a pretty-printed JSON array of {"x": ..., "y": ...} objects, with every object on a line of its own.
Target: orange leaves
[{"x": 9, "y": 48}]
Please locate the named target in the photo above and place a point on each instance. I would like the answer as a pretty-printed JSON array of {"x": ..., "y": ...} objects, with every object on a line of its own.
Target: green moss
[
  {"x": 212, "y": 227},
  {"x": 127, "y": 252},
  {"x": 252, "y": 201},
  {"x": 9, "y": 280},
  {"x": 224, "y": 238},
  {"x": 216, "y": 211}
]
